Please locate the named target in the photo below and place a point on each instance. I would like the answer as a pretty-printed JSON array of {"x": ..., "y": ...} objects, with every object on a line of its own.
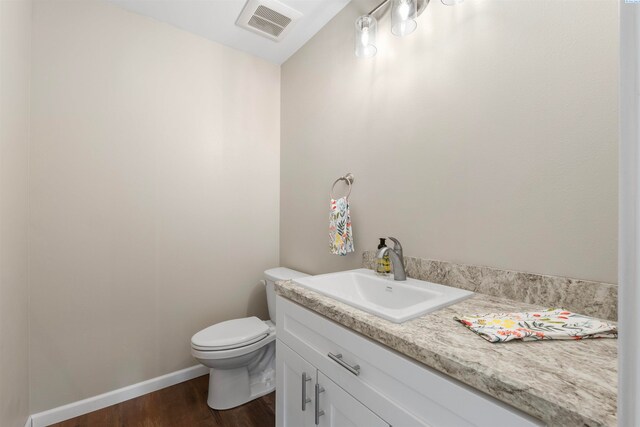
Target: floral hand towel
[
  {"x": 340, "y": 233},
  {"x": 551, "y": 324}
]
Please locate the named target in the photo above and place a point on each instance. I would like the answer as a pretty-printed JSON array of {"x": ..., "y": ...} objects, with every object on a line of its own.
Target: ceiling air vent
[{"x": 269, "y": 18}]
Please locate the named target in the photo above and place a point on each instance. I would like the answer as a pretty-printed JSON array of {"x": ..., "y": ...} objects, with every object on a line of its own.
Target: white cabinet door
[
  {"x": 296, "y": 379},
  {"x": 341, "y": 409}
]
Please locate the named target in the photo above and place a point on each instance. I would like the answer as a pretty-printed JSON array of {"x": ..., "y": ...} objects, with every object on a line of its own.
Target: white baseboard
[{"x": 81, "y": 407}]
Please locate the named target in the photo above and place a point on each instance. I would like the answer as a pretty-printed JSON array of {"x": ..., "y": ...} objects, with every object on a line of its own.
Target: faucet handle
[
  {"x": 396, "y": 242},
  {"x": 397, "y": 247}
]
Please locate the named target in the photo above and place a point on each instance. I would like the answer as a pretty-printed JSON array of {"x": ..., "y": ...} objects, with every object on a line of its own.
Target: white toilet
[{"x": 241, "y": 352}]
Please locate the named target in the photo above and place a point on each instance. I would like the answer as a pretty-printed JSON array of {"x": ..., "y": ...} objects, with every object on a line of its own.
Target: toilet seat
[
  {"x": 234, "y": 352},
  {"x": 230, "y": 346},
  {"x": 241, "y": 350},
  {"x": 231, "y": 334}
]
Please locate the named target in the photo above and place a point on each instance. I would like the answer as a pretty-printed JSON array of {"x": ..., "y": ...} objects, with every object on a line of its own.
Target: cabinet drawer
[{"x": 400, "y": 390}]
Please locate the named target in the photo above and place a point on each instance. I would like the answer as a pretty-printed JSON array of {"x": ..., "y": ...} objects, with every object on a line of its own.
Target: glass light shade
[
  {"x": 403, "y": 17},
  {"x": 451, "y": 2},
  {"x": 366, "y": 29}
]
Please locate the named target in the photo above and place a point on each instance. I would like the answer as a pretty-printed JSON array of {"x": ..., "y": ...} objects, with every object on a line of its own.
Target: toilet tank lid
[{"x": 282, "y": 273}]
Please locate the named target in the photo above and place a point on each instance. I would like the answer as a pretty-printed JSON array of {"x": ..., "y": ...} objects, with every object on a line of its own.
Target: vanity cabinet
[
  {"x": 307, "y": 397},
  {"x": 362, "y": 383}
]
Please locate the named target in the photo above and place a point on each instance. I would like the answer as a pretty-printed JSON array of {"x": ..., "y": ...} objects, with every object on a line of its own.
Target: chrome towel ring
[{"x": 348, "y": 178}]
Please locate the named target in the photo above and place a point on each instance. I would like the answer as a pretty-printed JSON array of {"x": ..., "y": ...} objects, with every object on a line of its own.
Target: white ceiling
[{"x": 215, "y": 20}]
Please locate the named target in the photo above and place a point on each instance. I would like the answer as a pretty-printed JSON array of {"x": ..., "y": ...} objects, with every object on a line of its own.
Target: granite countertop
[{"x": 562, "y": 383}]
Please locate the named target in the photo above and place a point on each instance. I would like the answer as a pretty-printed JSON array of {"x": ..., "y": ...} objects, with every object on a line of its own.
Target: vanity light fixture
[{"x": 403, "y": 22}]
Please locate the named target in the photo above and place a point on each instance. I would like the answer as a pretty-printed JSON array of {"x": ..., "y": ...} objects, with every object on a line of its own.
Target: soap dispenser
[{"x": 383, "y": 265}]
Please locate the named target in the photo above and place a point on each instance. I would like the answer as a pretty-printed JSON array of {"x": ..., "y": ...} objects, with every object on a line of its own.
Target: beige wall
[
  {"x": 489, "y": 136},
  {"x": 15, "y": 56},
  {"x": 154, "y": 195}
]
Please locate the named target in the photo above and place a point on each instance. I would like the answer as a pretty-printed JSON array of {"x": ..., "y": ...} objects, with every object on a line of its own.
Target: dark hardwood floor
[{"x": 182, "y": 405}]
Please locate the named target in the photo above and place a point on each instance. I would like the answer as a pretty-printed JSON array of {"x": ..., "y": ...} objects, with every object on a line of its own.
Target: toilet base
[{"x": 229, "y": 388}]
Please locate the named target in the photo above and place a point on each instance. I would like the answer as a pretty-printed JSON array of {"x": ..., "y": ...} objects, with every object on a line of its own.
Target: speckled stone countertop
[{"x": 562, "y": 383}]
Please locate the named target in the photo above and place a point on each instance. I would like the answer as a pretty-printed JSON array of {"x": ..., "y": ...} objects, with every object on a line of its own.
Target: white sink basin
[{"x": 383, "y": 296}]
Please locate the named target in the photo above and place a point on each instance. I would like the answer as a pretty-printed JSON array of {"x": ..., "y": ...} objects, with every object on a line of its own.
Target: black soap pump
[{"x": 383, "y": 265}]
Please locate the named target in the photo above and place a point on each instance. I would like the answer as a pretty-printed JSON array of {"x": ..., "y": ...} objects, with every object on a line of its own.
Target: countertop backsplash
[{"x": 582, "y": 296}]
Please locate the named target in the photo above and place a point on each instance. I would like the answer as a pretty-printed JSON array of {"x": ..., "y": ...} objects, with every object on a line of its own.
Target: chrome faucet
[{"x": 396, "y": 257}]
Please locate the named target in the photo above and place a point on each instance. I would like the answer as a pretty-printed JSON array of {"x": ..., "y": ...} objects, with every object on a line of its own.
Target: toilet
[{"x": 241, "y": 352}]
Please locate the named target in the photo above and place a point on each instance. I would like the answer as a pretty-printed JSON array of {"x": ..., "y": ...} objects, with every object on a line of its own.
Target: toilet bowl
[{"x": 241, "y": 352}]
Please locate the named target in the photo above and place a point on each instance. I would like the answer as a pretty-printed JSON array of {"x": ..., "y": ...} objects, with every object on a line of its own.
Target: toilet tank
[{"x": 270, "y": 277}]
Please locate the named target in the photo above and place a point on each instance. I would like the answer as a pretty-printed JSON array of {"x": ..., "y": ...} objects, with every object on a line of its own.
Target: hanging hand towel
[
  {"x": 340, "y": 234},
  {"x": 549, "y": 324}
]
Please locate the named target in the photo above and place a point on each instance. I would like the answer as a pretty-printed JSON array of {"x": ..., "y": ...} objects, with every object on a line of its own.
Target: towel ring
[{"x": 348, "y": 178}]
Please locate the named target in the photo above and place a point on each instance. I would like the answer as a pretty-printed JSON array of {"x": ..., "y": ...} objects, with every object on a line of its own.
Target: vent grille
[
  {"x": 273, "y": 16},
  {"x": 269, "y": 18},
  {"x": 266, "y": 26}
]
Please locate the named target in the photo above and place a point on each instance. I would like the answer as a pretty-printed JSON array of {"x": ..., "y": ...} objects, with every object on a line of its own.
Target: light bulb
[
  {"x": 403, "y": 15},
  {"x": 364, "y": 37},
  {"x": 366, "y": 28},
  {"x": 403, "y": 11}
]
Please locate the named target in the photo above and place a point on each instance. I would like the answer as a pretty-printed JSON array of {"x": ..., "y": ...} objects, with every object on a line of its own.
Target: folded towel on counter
[
  {"x": 550, "y": 324},
  {"x": 340, "y": 233}
]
